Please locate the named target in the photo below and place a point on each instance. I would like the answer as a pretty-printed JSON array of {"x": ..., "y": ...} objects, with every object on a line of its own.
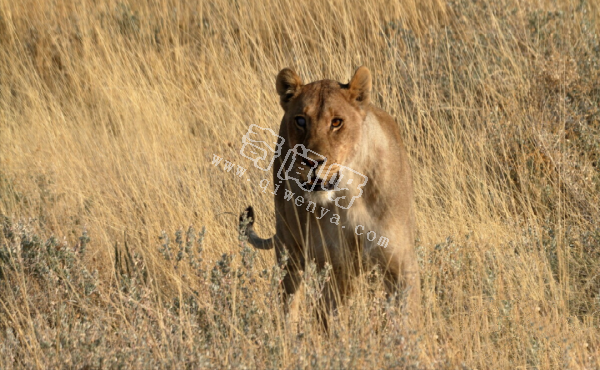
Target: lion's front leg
[
  {"x": 292, "y": 289},
  {"x": 410, "y": 285},
  {"x": 402, "y": 281}
]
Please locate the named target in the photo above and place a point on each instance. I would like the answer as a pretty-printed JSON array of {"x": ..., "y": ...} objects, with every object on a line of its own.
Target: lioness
[{"x": 347, "y": 183}]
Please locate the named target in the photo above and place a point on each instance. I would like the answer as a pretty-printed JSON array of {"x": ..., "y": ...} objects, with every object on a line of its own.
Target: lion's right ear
[{"x": 288, "y": 86}]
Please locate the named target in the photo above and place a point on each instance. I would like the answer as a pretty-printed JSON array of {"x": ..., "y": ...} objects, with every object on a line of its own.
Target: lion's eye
[
  {"x": 300, "y": 121},
  {"x": 336, "y": 122}
]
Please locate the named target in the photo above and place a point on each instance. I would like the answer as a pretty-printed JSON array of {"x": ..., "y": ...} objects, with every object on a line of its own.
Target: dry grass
[{"x": 110, "y": 113}]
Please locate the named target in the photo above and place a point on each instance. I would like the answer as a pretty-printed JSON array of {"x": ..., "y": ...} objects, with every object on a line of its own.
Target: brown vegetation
[{"x": 110, "y": 113}]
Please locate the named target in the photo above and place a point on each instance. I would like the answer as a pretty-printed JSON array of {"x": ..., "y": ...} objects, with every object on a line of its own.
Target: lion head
[{"x": 327, "y": 118}]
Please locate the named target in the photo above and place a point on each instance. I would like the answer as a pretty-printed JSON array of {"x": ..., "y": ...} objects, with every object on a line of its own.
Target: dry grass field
[{"x": 119, "y": 244}]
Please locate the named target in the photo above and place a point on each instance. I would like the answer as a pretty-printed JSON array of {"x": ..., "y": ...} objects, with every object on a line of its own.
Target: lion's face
[{"x": 326, "y": 117}]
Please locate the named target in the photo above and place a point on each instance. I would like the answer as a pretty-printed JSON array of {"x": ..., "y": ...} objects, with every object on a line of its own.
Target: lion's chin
[{"x": 322, "y": 197}]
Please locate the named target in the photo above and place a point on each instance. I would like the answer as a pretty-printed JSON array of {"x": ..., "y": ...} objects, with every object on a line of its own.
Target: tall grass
[{"x": 110, "y": 113}]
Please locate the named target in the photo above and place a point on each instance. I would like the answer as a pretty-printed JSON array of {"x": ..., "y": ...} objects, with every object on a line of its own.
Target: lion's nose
[{"x": 312, "y": 162}]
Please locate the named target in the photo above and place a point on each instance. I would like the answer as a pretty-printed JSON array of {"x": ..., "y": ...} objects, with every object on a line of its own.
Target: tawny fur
[{"x": 369, "y": 142}]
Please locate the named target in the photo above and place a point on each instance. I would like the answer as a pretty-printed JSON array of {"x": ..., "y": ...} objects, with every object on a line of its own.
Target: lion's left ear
[{"x": 360, "y": 86}]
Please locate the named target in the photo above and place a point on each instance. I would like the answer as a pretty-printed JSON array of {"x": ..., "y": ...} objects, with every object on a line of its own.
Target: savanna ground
[{"x": 110, "y": 113}]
